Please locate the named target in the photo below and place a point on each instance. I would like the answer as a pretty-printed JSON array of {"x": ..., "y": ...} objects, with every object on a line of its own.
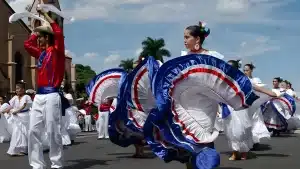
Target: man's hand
[
  {"x": 41, "y": 11},
  {"x": 45, "y": 14}
]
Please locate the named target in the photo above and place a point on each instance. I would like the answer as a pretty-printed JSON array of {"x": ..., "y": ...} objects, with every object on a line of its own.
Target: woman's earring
[{"x": 197, "y": 47}]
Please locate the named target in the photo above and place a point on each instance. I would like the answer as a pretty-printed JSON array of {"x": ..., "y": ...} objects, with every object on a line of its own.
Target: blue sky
[{"x": 264, "y": 32}]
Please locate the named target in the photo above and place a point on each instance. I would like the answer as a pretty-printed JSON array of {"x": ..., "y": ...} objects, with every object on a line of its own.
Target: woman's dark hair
[
  {"x": 285, "y": 81},
  {"x": 289, "y": 83},
  {"x": 235, "y": 63},
  {"x": 21, "y": 84},
  {"x": 199, "y": 31},
  {"x": 250, "y": 65},
  {"x": 279, "y": 79}
]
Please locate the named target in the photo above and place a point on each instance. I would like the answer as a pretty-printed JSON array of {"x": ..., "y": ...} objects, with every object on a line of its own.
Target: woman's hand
[{"x": 15, "y": 112}]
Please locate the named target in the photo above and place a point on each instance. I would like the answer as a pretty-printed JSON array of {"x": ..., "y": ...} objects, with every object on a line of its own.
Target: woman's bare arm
[{"x": 265, "y": 91}]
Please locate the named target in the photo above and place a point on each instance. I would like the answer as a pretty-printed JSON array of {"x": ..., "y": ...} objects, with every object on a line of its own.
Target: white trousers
[
  {"x": 46, "y": 111},
  {"x": 88, "y": 123},
  {"x": 103, "y": 125}
]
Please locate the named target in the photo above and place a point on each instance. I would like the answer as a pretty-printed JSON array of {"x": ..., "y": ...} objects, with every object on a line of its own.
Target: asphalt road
[{"x": 90, "y": 153}]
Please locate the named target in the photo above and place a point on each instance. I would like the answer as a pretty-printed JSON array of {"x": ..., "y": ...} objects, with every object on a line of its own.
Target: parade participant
[
  {"x": 238, "y": 125},
  {"x": 73, "y": 127},
  {"x": 47, "y": 106},
  {"x": 140, "y": 99},
  {"x": 270, "y": 116},
  {"x": 194, "y": 37},
  {"x": 87, "y": 106},
  {"x": 20, "y": 105},
  {"x": 187, "y": 91},
  {"x": 4, "y": 108},
  {"x": 276, "y": 82},
  {"x": 103, "y": 118},
  {"x": 259, "y": 129}
]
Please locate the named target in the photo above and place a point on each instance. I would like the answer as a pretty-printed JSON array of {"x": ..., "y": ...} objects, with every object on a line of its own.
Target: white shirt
[{"x": 17, "y": 103}]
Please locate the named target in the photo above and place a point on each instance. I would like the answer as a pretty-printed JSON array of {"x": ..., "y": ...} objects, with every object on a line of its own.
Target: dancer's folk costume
[
  {"x": 73, "y": 127},
  {"x": 5, "y": 134},
  {"x": 110, "y": 84},
  {"x": 47, "y": 106},
  {"x": 183, "y": 123},
  {"x": 19, "y": 113}
]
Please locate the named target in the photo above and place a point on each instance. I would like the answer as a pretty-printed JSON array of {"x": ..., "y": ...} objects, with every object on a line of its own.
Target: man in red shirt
[
  {"x": 47, "y": 106},
  {"x": 88, "y": 118},
  {"x": 103, "y": 118}
]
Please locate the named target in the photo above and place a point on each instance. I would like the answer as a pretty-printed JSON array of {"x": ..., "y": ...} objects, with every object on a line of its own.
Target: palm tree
[
  {"x": 127, "y": 64},
  {"x": 155, "y": 48}
]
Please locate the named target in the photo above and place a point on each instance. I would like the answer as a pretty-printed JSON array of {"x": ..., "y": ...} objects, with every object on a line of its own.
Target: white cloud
[
  {"x": 257, "y": 46},
  {"x": 112, "y": 59},
  {"x": 95, "y": 60},
  {"x": 233, "y": 6},
  {"x": 90, "y": 55},
  {"x": 176, "y": 11}
]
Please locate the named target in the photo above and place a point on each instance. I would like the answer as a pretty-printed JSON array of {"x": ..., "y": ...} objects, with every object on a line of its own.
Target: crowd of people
[{"x": 178, "y": 108}]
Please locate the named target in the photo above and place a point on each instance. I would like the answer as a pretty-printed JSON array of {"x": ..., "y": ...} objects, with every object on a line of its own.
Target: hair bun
[{"x": 204, "y": 29}]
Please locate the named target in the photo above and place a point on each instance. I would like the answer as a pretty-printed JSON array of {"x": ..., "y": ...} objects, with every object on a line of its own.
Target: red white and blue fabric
[
  {"x": 140, "y": 99},
  {"x": 104, "y": 85},
  {"x": 277, "y": 111},
  {"x": 205, "y": 75},
  {"x": 119, "y": 134}
]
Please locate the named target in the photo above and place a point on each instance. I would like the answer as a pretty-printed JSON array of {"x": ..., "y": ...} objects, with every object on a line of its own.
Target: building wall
[
  {"x": 14, "y": 59},
  {"x": 3, "y": 39}
]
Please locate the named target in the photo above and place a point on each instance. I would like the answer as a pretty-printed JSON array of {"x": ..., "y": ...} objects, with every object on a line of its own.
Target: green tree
[
  {"x": 127, "y": 64},
  {"x": 83, "y": 75},
  {"x": 155, "y": 48}
]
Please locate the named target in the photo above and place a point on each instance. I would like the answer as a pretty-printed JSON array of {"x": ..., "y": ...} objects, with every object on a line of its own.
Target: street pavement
[{"x": 90, "y": 153}]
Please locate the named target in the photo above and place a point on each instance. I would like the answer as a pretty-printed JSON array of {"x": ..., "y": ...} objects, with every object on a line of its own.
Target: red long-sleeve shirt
[
  {"x": 51, "y": 62},
  {"x": 88, "y": 108}
]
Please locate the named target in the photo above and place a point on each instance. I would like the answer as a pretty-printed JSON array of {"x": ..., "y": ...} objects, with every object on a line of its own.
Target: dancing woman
[
  {"x": 20, "y": 105},
  {"x": 187, "y": 91},
  {"x": 238, "y": 125},
  {"x": 259, "y": 129}
]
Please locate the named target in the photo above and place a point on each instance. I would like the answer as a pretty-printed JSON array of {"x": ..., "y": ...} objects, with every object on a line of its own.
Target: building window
[{"x": 19, "y": 67}]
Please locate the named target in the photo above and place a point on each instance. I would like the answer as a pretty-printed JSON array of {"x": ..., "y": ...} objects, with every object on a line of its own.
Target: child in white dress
[{"x": 20, "y": 105}]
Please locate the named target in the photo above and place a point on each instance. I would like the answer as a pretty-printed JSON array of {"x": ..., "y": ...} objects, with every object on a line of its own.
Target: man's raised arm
[{"x": 31, "y": 46}]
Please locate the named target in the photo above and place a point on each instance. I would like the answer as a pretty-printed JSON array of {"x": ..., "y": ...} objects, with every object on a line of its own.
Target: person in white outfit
[
  {"x": 73, "y": 127},
  {"x": 4, "y": 132},
  {"x": 103, "y": 119},
  {"x": 259, "y": 129},
  {"x": 20, "y": 105}
]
